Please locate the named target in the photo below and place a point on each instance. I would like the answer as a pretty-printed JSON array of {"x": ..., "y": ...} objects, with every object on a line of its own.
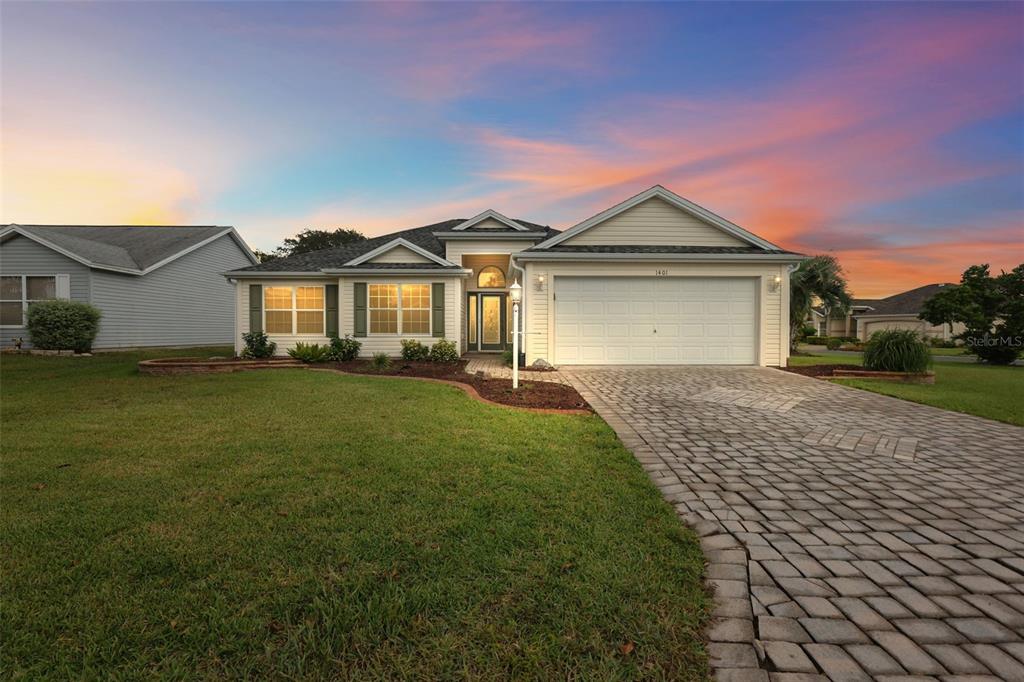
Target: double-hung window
[
  {"x": 294, "y": 310},
  {"x": 17, "y": 292},
  {"x": 399, "y": 309}
]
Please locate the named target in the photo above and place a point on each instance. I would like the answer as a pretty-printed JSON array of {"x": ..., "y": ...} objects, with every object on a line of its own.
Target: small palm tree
[{"x": 819, "y": 279}]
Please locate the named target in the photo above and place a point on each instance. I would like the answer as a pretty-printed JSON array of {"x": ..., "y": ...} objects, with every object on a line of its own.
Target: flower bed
[
  {"x": 852, "y": 372},
  {"x": 163, "y": 366},
  {"x": 543, "y": 395}
]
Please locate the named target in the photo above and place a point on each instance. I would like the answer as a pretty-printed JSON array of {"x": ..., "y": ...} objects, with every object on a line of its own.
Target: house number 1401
[{"x": 660, "y": 273}]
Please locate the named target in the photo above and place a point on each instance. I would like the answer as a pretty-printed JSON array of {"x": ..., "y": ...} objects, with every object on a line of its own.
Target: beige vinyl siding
[
  {"x": 654, "y": 222},
  {"x": 400, "y": 254},
  {"x": 391, "y": 344},
  {"x": 22, "y": 256},
  {"x": 456, "y": 249},
  {"x": 284, "y": 342},
  {"x": 489, "y": 224},
  {"x": 867, "y": 325},
  {"x": 773, "y": 308}
]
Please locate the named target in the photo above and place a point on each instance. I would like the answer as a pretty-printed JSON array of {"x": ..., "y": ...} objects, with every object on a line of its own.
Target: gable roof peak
[
  {"x": 492, "y": 215},
  {"x": 672, "y": 199}
]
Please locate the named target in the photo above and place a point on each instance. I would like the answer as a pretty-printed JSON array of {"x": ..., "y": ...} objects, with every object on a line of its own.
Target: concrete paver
[{"x": 861, "y": 536}]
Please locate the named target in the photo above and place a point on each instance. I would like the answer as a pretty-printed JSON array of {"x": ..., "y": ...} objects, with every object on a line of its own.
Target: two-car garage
[{"x": 655, "y": 320}]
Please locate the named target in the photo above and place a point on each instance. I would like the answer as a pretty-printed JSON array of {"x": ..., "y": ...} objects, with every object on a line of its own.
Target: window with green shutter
[
  {"x": 437, "y": 309},
  {"x": 359, "y": 308},
  {"x": 255, "y": 307},
  {"x": 331, "y": 309}
]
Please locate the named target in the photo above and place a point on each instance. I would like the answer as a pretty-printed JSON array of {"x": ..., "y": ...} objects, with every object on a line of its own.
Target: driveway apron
[{"x": 849, "y": 535}]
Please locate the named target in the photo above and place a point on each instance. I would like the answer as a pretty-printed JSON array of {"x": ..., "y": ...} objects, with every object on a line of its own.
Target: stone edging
[
  {"x": 734, "y": 654},
  {"x": 466, "y": 388},
  {"x": 169, "y": 366}
]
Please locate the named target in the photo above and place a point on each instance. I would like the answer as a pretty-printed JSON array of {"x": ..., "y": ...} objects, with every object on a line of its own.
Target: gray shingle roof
[
  {"x": 905, "y": 303},
  {"x": 647, "y": 248},
  {"x": 132, "y": 247},
  {"x": 423, "y": 237}
]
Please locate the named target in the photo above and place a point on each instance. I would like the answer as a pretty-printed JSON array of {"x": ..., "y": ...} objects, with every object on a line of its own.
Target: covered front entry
[
  {"x": 655, "y": 320},
  {"x": 486, "y": 321}
]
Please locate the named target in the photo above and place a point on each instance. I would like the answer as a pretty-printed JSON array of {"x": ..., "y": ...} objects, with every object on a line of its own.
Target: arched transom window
[{"x": 491, "y": 277}]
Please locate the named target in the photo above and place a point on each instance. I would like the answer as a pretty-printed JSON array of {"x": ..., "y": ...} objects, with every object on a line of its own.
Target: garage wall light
[
  {"x": 539, "y": 286},
  {"x": 774, "y": 284}
]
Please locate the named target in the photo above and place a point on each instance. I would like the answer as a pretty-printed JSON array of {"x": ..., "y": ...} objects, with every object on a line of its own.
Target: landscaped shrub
[
  {"x": 343, "y": 349},
  {"x": 257, "y": 345},
  {"x": 414, "y": 350},
  {"x": 506, "y": 358},
  {"x": 897, "y": 350},
  {"x": 444, "y": 351},
  {"x": 936, "y": 342},
  {"x": 380, "y": 361},
  {"x": 808, "y": 331},
  {"x": 833, "y": 343},
  {"x": 309, "y": 352},
  {"x": 993, "y": 348},
  {"x": 816, "y": 340},
  {"x": 63, "y": 325}
]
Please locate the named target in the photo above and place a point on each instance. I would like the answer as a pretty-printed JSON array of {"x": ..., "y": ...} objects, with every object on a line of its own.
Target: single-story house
[
  {"x": 655, "y": 279},
  {"x": 899, "y": 311},
  {"x": 155, "y": 285}
]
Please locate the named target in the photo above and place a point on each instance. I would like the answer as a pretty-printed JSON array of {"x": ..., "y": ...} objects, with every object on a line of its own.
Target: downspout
[{"x": 523, "y": 305}]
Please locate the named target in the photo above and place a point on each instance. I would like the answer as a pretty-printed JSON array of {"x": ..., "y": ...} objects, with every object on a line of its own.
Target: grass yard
[
  {"x": 295, "y": 524},
  {"x": 983, "y": 390}
]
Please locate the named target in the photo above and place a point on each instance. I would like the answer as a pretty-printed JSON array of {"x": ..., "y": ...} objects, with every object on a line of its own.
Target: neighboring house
[
  {"x": 156, "y": 286},
  {"x": 653, "y": 280},
  {"x": 899, "y": 311}
]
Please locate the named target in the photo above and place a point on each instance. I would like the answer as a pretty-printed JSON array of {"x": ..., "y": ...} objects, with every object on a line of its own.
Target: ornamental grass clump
[
  {"x": 897, "y": 350},
  {"x": 309, "y": 352},
  {"x": 380, "y": 362}
]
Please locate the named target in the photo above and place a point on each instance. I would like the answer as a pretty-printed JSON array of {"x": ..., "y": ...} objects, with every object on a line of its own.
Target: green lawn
[
  {"x": 983, "y": 390},
  {"x": 295, "y": 524}
]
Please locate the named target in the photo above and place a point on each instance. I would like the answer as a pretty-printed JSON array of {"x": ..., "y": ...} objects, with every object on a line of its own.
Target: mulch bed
[
  {"x": 855, "y": 372},
  {"x": 531, "y": 394},
  {"x": 815, "y": 370}
]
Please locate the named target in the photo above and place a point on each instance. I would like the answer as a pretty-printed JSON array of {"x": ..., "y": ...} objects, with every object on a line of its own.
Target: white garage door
[{"x": 655, "y": 320}]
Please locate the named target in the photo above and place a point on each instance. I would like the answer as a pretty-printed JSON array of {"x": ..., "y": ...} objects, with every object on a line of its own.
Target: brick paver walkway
[
  {"x": 493, "y": 367},
  {"x": 849, "y": 535}
]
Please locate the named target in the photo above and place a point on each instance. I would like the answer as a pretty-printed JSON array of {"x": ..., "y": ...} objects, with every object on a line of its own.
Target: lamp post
[{"x": 516, "y": 292}]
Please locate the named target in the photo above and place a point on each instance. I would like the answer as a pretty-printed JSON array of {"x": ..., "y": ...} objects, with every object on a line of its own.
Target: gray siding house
[{"x": 155, "y": 285}]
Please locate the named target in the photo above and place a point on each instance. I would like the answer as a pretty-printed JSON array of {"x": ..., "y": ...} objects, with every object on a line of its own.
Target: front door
[{"x": 487, "y": 321}]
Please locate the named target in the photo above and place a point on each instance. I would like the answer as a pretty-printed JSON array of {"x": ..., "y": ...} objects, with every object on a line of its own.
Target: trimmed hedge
[{"x": 63, "y": 325}]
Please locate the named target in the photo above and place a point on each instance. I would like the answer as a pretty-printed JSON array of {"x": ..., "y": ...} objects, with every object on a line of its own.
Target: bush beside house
[{"x": 63, "y": 325}]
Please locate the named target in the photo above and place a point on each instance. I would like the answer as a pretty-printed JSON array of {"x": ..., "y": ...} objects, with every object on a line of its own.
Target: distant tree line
[{"x": 312, "y": 240}]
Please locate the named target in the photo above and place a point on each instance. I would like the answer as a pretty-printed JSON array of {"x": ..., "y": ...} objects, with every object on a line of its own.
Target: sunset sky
[{"x": 891, "y": 135}]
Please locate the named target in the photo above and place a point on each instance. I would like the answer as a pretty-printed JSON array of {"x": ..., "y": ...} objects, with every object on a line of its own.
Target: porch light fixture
[
  {"x": 774, "y": 284},
  {"x": 540, "y": 283},
  {"x": 516, "y": 293}
]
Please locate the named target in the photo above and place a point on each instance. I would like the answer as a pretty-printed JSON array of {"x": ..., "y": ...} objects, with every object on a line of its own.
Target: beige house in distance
[
  {"x": 655, "y": 279},
  {"x": 899, "y": 311}
]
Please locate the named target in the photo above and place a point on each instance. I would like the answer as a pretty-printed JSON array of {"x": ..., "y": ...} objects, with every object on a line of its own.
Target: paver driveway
[{"x": 848, "y": 534}]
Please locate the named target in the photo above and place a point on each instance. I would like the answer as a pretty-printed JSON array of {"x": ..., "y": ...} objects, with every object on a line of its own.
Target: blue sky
[{"x": 889, "y": 134}]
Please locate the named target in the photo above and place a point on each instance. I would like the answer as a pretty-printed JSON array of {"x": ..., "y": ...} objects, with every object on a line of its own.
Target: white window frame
[
  {"x": 24, "y": 296},
  {"x": 398, "y": 285},
  {"x": 295, "y": 309}
]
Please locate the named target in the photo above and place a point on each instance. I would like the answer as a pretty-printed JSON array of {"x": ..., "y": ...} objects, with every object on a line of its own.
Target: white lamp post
[{"x": 516, "y": 291}]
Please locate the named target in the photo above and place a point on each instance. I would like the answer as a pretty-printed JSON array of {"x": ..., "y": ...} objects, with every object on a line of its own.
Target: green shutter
[
  {"x": 359, "y": 308},
  {"x": 255, "y": 307},
  {"x": 331, "y": 309},
  {"x": 437, "y": 308}
]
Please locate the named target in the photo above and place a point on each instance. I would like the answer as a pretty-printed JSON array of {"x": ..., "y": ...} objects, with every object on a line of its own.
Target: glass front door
[{"x": 487, "y": 321}]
